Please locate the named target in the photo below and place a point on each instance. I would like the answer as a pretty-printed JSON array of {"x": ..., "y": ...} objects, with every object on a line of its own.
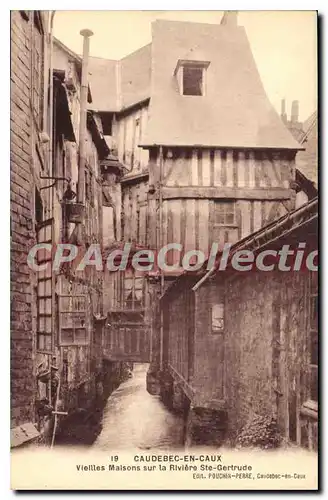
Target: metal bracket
[{"x": 55, "y": 180}]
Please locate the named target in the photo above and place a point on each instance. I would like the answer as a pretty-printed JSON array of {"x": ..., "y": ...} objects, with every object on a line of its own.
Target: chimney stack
[
  {"x": 294, "y": 112},
  {"x": 229, "y": 18},
  {"x": 283, "y": 111}
]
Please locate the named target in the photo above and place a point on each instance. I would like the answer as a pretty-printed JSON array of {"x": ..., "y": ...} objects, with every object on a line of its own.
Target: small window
[
  {"x": 225, "y": 213},
  {"x": 133, "y": 291},
  {"x": 106, "y": 120},
  {"x": 218, "y": 318},
  {"x": 193, "y": 80},
  {"x": 314, "y": 336}
]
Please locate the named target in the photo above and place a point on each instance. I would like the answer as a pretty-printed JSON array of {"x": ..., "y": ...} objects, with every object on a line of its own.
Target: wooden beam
[
  {"x": 225, "y": 192},
  {"x": 134, "y": 179},
  {"x": 185, "y": 386}
]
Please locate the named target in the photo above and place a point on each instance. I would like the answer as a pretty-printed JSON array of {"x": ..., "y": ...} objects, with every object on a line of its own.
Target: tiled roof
[
  {"x": 103, "y": 83},
  {"x": 235, "y": 112},
  {"x": 307, "y": 160},
  {"x": 117, "y": 85},
  {"x": 135, "y": 74}
]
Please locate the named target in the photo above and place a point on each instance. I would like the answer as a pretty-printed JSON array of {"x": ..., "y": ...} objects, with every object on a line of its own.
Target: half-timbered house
[
  {"x": 208, "y": 159},
  {"x": 240, "y": 347}
]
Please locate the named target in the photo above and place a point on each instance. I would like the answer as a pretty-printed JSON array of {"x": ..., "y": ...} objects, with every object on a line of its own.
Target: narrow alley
[{"x": 133, "y": 419}]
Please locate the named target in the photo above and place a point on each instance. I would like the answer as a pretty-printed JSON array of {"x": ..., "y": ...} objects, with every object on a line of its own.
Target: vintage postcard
[{"x": 164, "y": 250}]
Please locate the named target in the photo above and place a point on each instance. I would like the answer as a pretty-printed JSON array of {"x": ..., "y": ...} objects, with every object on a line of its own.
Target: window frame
[
  {"x": 130, "y": 304},
  {"x": 190, "y": 68},
  {"x": 179, "y": 73},
  {"x": 73, "y": 313}
]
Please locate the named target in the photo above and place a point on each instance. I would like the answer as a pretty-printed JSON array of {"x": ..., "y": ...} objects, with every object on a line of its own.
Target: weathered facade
[
  {"x": 172, "y": 155},
  {"x": 306, "y": 134},
  {"x": 57, "y": 333},
  {"x": 247, "y": 346},
  {"x": 27, "y": 107}
]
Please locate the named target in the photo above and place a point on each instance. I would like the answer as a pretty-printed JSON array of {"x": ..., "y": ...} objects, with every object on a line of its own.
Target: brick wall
[{"x": 22, "y": 188}]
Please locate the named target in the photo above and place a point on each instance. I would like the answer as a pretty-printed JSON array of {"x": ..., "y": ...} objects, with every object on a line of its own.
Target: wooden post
[{"x": 83, "y": 119}]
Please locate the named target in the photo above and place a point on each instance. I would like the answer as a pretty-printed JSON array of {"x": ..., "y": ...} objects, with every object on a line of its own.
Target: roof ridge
[
  {"x": 67, "y": 49},
  {"x": 311, "y": 125},
  {"x": 193, "y": 22},
  {"x": 104, "y": 58},
  {"x": 135, "y": 51}
]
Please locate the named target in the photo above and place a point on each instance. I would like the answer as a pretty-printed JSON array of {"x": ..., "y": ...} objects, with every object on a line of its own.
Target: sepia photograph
[{"x": 164, "y": 250}]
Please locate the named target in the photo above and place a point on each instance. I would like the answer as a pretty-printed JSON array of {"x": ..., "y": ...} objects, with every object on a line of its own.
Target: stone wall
[
  {"x": 22, "y": 234},
  {"x": 267, "y": 351},
  {"x": 248, "y": 348}
]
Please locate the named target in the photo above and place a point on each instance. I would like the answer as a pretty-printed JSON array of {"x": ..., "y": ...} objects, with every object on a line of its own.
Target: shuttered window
[
  {"x": 225, "y": 213},
  {"x": 225, "y": 225},
  {"x": 129, "y": 290},
  {"x": 72, "y": 320},
  {"x": 44, "y": 232}
]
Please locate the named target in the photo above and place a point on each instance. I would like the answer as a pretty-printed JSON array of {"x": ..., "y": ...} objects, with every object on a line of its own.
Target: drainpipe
[{"x": 83, "y": 120}]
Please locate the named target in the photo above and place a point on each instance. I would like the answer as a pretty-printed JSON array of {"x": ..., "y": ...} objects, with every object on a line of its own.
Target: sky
[{"x": 283, "y": 44}]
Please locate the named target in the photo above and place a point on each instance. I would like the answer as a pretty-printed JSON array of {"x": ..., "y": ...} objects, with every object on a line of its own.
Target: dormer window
[{"x": 191, "y": 76}]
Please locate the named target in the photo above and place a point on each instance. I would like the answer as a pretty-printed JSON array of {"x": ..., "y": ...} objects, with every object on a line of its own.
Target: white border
[{"x": 5, "y": 153}]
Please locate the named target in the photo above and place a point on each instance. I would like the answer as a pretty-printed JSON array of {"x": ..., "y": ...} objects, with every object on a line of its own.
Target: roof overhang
[
  {"x": 190, "y": 62},
  {"x": 97, "y": 136}
]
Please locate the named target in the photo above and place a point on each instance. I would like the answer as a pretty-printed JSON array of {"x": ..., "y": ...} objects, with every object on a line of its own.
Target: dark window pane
[
  {"x": 230, "y": 219},
  {"x": 192, "y": 81},
  {"x": 224, "y": 212},
  {"x": 38, "y": 207},
  {"x": 220, "y": 218},
  {"x": 67, "y": 336},
  {"x": 314, "y": 383},
  {"x": 314, "y": 348}
]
